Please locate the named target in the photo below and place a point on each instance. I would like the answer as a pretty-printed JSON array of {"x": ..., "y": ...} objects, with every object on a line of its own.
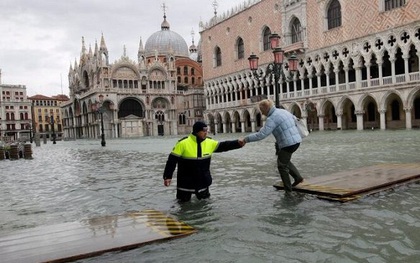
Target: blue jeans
[{"x": 286, "y": 167}]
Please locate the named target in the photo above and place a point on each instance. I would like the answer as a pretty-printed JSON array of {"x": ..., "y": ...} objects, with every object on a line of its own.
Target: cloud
[{"x": 41, "y": 38}]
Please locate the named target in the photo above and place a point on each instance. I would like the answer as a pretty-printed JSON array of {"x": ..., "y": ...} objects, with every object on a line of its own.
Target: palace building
[
  {"x": 46, "y": 113},
  {"x": 159, "y": 93},
  {"x": 15, "y": 113},
  {"x": 358, "y": 63}
]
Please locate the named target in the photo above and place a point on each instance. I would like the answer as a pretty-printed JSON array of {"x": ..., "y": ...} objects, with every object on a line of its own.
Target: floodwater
[{"x": 245, "y": 220}]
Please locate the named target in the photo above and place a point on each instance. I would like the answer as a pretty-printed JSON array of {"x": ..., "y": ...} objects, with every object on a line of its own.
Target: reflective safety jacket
[{"x": 193, "y": 158}]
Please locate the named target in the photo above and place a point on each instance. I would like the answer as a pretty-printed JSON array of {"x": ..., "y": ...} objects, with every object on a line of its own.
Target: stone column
[
  {"x": 327, "y": 76},
  {"x": 242, "y": 126},
  {"x": 380, "y": 62},
  {"x": 406, "y": 58},
  {"x": 339, "y": 115},
  {"x": 310, "y": 76},
  {"x": 224, "y": 127},
  {"x": 321, "y": 122},
  {"x": 408, "y": 124},
  {"x": 318, "y": 80},
  {"x": 359, "y": 119},
  {"x": 368, "y": 64},
  {"x": 233, "y": 127},
  {"x": 382, "y": 119},
  {"x": 358, "y": 68},
  {"x": 253, "y": 125},
  {"x": 392, "y": 60},
  {"x": 346, "y": 75},
  {"x": 337, "y": 71}
]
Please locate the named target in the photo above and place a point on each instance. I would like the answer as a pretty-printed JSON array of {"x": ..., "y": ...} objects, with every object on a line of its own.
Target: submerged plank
[
  {"x": 349, "y": 185},
  {"x": 87, "y": 238}
]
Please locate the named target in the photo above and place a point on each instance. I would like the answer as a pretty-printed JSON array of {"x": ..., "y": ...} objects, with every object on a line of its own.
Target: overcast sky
[{"x": 39, "y": 39}]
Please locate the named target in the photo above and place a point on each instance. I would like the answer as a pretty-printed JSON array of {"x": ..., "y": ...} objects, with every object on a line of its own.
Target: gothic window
[
  {"x": 85, "y": 79},
  {"x": 185, "y": 70},
  {"x": 218, "y": 56},
  {"x": 186, "y": 80},
  {"x": 192, "y": 72},
  {"x": 266, "y": 39},
  {"x": 240, "y": 48},
  {"x": 296, "y": 31},
  {"x": 182, "y": 119},
  {"x": 178, "y": 70},
  {"x": 334, "y": 14},
  {"x": 160, "y": 116},
  {"x": 392, "y": 4}
]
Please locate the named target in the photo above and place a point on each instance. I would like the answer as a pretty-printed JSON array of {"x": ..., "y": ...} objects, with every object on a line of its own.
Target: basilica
[{"x": 159, "y": 93}]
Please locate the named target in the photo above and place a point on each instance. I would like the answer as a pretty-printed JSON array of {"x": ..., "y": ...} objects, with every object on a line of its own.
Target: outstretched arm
[{"x": 228, "y": 145}]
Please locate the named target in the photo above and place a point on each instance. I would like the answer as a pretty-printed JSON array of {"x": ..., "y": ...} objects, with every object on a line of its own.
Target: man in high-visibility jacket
[{"x": 193, "y": 156}]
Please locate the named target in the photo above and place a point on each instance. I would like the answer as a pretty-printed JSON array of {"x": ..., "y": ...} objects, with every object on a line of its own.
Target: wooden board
[
  {"x": 87, "y": 238},
  {"x": 350, "y": 185}
]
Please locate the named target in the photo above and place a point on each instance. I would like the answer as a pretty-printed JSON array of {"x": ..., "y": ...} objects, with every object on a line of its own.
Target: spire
[
  {"x": 83, "y": 52},
  {"x": 193, "y": 48},
  {"x": 215, "y": 5},
  {"x": 103, "y": 45},
  {"x": 96, "y": 47},
  {"x": 141, "y": 48},
  {"x": 140, "y": 53},
  {"x": 192, "y": 35},
  {"x": 165, "y": 24}
]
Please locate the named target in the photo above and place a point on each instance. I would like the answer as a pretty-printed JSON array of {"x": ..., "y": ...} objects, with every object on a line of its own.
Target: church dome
[{"x": 166, "y": 41}]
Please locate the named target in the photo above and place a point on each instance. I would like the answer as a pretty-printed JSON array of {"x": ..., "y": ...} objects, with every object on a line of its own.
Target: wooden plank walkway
[
  {"x": 88, "y": 238},
  {"x": 350, "y": 185}
]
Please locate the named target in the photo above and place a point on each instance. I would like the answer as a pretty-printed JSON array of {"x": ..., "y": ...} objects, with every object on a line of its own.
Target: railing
[
  {"x": 400, "y": 78},
  {"x": 414, "y": 76},
  {"x": 374, "y": 83},
  {"x": 387, "y": 81},
  {"x": 342, "y": 87}
]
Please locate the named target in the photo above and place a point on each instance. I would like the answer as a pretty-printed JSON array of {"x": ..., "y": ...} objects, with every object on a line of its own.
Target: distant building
[
  {"x": 15, "y": 113},
  {"x": 45, "y": 112},
  {"x": 161, "y": 93},
  {"x": 358, "y": 63}
]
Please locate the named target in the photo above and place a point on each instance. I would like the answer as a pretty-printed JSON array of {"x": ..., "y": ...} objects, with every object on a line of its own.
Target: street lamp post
[
  {"x": 29, "y": 126},
  {"x": 52, "y": 128},
  {"x": 101, "y": 111},
  {"x": 275, "y": 68}
]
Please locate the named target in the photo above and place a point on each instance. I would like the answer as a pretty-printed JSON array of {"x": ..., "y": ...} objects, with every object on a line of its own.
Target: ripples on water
[{"x": 245, "y": 220}]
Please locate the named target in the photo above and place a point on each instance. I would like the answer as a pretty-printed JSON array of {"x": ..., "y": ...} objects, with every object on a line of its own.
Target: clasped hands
[{"x": 242, "y": 142}]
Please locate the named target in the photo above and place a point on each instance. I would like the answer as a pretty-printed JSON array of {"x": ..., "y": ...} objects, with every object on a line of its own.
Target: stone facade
[
  {"x": 15, "y": 113},
  {"x": 159, "y": 93},
  {"x": 46, "y": 111},
  {"x": 358, "y": 63}
]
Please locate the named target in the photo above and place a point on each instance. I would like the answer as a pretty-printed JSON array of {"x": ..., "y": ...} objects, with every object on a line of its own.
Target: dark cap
[{"x": 199, "y": 126}]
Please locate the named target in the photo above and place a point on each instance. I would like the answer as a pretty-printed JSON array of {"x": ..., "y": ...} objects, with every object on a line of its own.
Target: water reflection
[{"x": 245, "y": 220}]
